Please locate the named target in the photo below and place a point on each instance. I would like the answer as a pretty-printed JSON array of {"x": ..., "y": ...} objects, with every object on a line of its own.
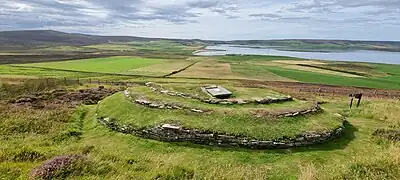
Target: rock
[
  {"x": 153, "y": 105},
  {"x": 265, "y": 101},
  {"x": 23, "y": 100},
  {"x": 288, "y": 115},
  {"x": 148, "y": 84},
  {"x": 241, "y": 102},
  {"x": 226, "y": 103},
  {"x": 126, "y": 92},
  {"x": 169, "y": 126},
  {"x": 142, "y": 101},
  {"x": 197, "y": 110},
  {"x": 214, "y": 101}
]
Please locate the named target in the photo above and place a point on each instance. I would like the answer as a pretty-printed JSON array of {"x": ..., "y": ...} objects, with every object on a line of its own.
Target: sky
[{"x": 210, "y": 19}]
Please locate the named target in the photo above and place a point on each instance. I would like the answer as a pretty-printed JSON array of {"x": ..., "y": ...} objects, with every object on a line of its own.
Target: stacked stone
[
  {"x": 314, "y": 109},
  {"x": 267, "y": 100},
  {"x": 163, "y": 105},
  {"x": 175, "y": 133}
]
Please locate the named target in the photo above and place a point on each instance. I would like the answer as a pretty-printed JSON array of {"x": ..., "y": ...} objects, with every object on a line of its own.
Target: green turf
[
  {"x": 138, "y": 92},
  {"x": 104, "y": 65},
  {"x": 240, "y": 124},
  {"x": 25, "y": 132}
]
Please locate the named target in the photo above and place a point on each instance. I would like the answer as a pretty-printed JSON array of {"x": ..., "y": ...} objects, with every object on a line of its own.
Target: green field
[{"x": 103, "y": 65}]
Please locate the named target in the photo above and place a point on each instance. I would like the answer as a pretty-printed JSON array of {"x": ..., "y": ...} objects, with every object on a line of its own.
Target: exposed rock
[
  {"x": 266, "y": 100},
  {"x": 169, "y": 126},
  {"x": 173, "y": 133},
  {"x": 197, "y": 110}
]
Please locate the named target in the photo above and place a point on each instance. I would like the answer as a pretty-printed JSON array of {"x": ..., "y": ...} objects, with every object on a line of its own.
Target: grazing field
[
  {"x": 150, "y": 46},
  {"x": 163, "y": 68},
  {"x": 103, "y": 65},
  {"x": 208, "y": 69},
  {"x": 305, "y": 66}
]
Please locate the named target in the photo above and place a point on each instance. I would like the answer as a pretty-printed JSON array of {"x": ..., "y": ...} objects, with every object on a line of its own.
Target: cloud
[{"x": 209, "y": 19}]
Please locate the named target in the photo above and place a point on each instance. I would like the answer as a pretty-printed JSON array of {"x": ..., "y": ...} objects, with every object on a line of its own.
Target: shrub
[{"x": 61, "y": 167}]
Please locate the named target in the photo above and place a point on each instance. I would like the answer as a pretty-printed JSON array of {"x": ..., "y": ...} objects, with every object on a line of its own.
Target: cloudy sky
[{"x": 209, "y": 19}]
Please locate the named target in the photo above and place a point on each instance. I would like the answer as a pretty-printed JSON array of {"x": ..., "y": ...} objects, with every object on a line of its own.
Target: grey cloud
[
  {"x": 265, "y": 15},
  {"x": 203, "y": 4},
  {"x": 334, "y": 5}
]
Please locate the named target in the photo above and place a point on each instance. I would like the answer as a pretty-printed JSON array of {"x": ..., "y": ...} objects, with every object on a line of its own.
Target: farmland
[{"x": 288, "y": 118}]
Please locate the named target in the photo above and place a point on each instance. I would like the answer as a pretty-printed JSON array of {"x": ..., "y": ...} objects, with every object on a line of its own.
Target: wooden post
[
  {"x": 90, "y": 80},
  {"x": 65, "y": 80},
  {"x": 351, "y": 103},
  {"x": 359, "y": 101}
]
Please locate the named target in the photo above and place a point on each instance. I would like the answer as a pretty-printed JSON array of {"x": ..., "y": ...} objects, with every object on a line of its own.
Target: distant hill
[
  {"x": 322, "y": 44},
  {"x": 48, "y": 37},
  {"x": 33, "y": 38}
]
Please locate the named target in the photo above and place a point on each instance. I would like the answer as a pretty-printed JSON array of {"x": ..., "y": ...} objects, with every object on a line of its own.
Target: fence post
[
  {"x": 78, "y": 80},
  {"x": 65, "y": 80},
  {"x": 90, "y": 80}
]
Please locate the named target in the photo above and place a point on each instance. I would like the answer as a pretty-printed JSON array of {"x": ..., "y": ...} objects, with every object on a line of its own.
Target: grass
[
  {"x": 156, "y": 46},
  {"x": 257, "y": 72},
  {"x": 240, "y": 124},
  {"x": 31, "y": 136},
  {"x": 111, "y": 155},
  {"x": 239, "y": 92},
  {"x": 305, "y": 76},
  {"x": 103, "y": 65},
  {"x": 162, "y": 69},
  {"x": 247, "y": 109}
]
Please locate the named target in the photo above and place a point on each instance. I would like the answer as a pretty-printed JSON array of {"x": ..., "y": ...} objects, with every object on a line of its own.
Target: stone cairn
[
  {"x": 267, "y": 100},
  {"x": 163, "y": 105},
  {"x": 176, "y": 133}
]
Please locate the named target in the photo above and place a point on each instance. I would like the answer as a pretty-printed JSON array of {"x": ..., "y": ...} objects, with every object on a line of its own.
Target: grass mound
[{"x": 230, "y": 120}]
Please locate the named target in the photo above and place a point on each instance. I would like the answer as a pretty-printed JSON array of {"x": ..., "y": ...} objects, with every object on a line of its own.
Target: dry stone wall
[
  {"x": 163, "y": 105},
  {"x": 176, "y": 133},
  {"x": 314, "y": 109},
  {"x": 267, "y": 100},
  {"x": 168, "y": 105}
]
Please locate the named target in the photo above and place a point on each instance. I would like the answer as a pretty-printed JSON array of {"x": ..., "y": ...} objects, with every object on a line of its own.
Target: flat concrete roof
[{"x": 218, "y": 91}]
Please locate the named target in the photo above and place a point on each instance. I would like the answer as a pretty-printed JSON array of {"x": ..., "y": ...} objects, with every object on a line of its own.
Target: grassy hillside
[{"x": 323, "y": 45}]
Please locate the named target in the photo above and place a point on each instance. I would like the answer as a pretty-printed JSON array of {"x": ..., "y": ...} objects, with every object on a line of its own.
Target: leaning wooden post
[
  {"x": 351, "y": 103},
  {"x": 359, "y": 96}
]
